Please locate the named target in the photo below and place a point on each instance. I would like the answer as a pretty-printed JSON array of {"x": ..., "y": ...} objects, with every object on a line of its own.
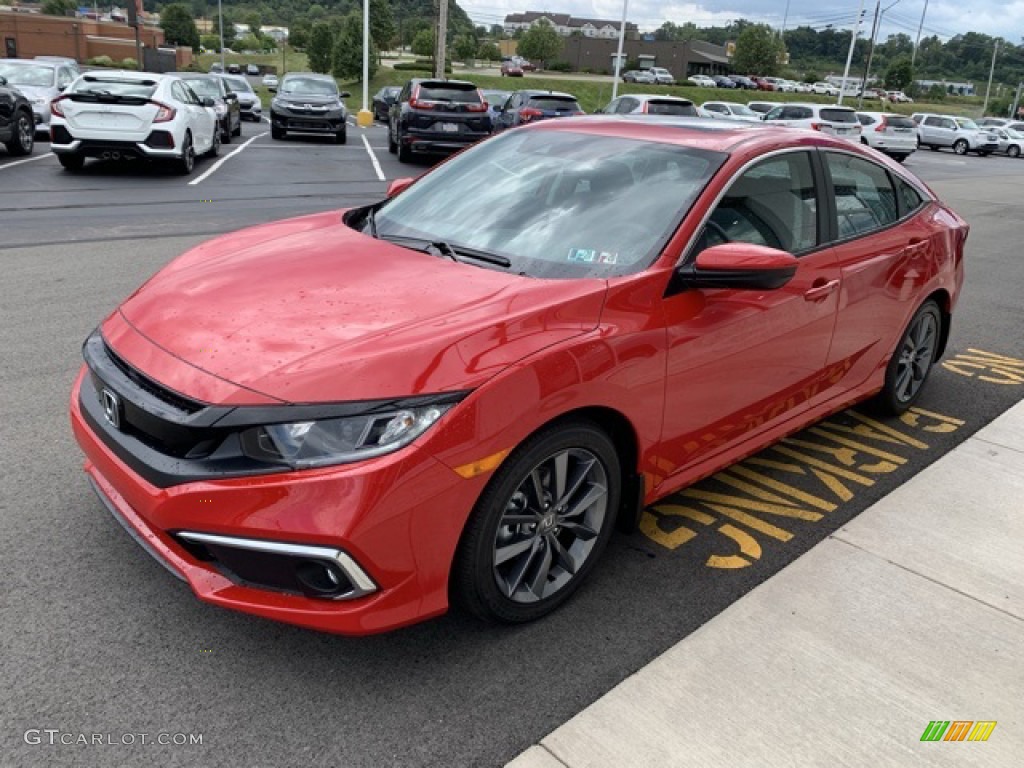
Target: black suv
[
  {"x": 309, "y": 103},
  {"x": 437, "y": 116},
  {"x": 17, "y": 125}
]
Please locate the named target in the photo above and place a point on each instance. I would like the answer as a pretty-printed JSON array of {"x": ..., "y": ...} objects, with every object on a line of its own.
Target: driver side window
[{"x": 774, "y": 204}]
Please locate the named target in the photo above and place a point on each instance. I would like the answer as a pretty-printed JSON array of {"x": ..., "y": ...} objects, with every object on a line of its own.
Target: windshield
[
  {"x": 1013, "y": 134},
  {"x": 553, "y": 103},
  {"x": 239, "y": 84},
  {"x": 966, "y": 124},
  {"x": 839, "y": 115},
  {"x": 312, "y": 86},
  {"x": 205, "y": 89},
  {"x": 556, "y": 204},
  {"x": 28, "y": 74},
  {"x": 670, "y": 107}
]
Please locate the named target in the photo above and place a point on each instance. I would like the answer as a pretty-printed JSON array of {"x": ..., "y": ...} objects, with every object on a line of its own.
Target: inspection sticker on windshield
[
  {"x": 582, "y": 254},
  {"x": 608, "y": 258}
]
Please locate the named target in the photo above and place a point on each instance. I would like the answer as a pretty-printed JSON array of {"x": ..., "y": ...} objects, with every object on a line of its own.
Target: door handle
[
  {"x": 821, "y": 291},
  {"x": 916, "y": 244}
]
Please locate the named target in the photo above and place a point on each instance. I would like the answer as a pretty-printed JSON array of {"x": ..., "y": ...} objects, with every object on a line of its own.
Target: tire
[
  {"x": 960, "y": 146},
  {"x": 225, "y": 134},
  {"x": 911, "y": 361},
  {"x": 1013, "y": 150},
  {"x": 214, "y": 150},
  {"x": 71, "y": 162},
  {"x": 392, "y": 146},
  {"x": 933, "y": 147},
  {"x": 341, "y": 137},
  {"x": 277, "y": 133},
  {"x": 561, "y": 548},
  {"x": 238, "y": 128},
  {"x": 900, "y": 158},
  {"x": 187, "y": 161},
  {"x": 23, "y": 137},
  {"x": 404, "y": 152}
]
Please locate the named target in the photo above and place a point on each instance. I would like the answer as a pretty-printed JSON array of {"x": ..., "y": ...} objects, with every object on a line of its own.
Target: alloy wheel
[
  {"x": 916, "y": 356},
  {"x": 26, "y": 136},
  {"x": 550, "y": 525}
]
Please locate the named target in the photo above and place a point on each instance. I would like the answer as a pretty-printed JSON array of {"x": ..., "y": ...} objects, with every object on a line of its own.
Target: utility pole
[
  {"x": 220, "y": 21},
  {"x": 920, "y": 26},
  {"x": 441, "y": 42},
  {"x": 785, "y": 18},
  {"x": 849, "y": 55},
  {"x": 871, "y": 53},
  {"x": 618, "y": 53},
  {"x": 1016, "y": 102},
  {"x": 991, "y": 71}
]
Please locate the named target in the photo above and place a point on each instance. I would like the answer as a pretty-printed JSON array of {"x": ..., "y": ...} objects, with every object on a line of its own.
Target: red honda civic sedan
[{"x": 346, "y": 420}]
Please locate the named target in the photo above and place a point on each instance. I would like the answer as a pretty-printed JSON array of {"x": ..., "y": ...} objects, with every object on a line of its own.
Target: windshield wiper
[{"x": 448, "y": 250}]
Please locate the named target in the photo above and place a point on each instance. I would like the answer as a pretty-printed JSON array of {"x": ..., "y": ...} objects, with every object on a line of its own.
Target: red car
[
  {"x": 511, "y": 69},
  {"x": 344, "y": 420}
]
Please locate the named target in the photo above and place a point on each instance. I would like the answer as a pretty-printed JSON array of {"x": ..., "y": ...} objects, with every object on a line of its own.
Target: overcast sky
[{"x": 944, "y": 18}]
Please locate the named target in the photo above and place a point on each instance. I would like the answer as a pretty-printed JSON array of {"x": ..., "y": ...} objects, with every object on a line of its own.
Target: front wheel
[
  {"x": 912, "y": 361},
  {"x": 277, "y": 133},
  {"x": 341, "y": 137},
  {"x": 960, "y": 147},
  {"x": 540, "y": 526},
  {"x": 1013, "y": 150}
]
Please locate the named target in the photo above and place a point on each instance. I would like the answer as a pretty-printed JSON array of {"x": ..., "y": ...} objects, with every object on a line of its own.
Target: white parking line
[
  {"x": 219, "y": 163},
  {"x": 373, "y": 158},
  {"x": 26, "y": 160}
]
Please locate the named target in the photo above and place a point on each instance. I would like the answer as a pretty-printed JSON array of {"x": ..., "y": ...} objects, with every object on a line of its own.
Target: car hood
[
  {"x": 309, "y": 310},
  {"x": 32, "y": 92},
  {"x": 298, "y": 98}
]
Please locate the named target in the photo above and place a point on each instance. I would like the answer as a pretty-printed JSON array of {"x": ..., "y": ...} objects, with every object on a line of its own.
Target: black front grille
[{"x": 158, "y": 391}]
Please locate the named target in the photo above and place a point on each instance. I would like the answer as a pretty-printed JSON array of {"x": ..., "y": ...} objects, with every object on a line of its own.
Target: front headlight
[
  {"x": 305, "y": 444},
  {"x": 220, "y": 110}
]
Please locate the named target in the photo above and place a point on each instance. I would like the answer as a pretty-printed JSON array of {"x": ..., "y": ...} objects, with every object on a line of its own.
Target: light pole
[
  {"x": 849, "y": 55},
  {"x": 365, "y": 117},
  {"x": 871, "y": 50},
  {"x": 618, "y": 54},
  {"x": 917, "y": 42},
  {"x": 220, "y": 21}
]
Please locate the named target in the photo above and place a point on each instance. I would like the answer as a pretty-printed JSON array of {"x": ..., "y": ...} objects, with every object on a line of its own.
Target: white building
[{"x": 565, "y": 24}]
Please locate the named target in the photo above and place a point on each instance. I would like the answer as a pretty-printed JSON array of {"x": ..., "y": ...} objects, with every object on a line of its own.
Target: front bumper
[
  {"x": 398, "y": 518},
  {"x": 323, "y": 123},
  {"x": 252, "y": 110}
]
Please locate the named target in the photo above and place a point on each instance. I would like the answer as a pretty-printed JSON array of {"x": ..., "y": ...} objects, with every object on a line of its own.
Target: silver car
[
  {"x": 650, "y": 104},
  {"x": 960, "y": 134},
  {"x": 40, "y": 81}
]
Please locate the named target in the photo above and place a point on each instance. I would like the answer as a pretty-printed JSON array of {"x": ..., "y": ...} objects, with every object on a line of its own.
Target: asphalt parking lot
[{"x": 98, "y": 639}]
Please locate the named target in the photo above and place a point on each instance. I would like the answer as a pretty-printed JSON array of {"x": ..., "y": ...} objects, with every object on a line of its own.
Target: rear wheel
[
  {"x": 71, "y": 162},
  {"x": 1013, "y": 150},
  {"x": 960, "y": 146},
  {"x": 238, "y": 128},
  {"x": 392, "y": 146},
  {"x": 23, "y": 139},
  {"x": 404, "y": 152},
  {"x": 540, "y": 526},
  {"x": 912, "y": 361}
]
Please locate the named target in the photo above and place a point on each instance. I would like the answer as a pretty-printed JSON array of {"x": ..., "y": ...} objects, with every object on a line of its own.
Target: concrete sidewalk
[{"x": 912, "y": 612}]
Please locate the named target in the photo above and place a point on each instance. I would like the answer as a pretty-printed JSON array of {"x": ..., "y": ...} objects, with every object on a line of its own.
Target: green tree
[
  {"x": 382, "y": 23},
  {"x": 179, "y": 29},
  {"x": 758, "y": 51},
  {"x": 900, "y": 74},
  {"x": 249, "y": 43},
  {"x": 347, "y": 58},
  {"x": 423, "y": 43},
  {"x": 488, "y": 51},
  {"x": 298, "y": 34},
  {"x": 320, "y": 48},
  {"x": 540, "y": 42},
  {"x": 254, "y": 22},
  {"x": 497, "y": 31},
  {"x": 936, "y": 93},
  {"x": 465, "y": 47},
  {"x": 58, "y": 7},
  {"x": 210, "y": 42}
]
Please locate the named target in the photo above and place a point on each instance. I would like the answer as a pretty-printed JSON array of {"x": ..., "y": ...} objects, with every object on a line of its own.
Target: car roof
[
  {"x": 127, "y": 74},
  {"x": 440, "y": 83},
  {"x": 659, "y": 96},
  {"x": 310, "y": 75},
  {"x": 536, "y": 92}
]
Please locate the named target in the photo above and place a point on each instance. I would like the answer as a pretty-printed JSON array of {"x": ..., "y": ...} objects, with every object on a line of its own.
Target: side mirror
[
  {"x": 398, "y": 186},
  {"x": 346, "y": 95},
  {"x": 739, "y": 266},
  {"x": 208, "y": 102}
]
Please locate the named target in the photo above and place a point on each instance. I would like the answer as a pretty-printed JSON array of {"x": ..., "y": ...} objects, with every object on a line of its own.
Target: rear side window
[
  {"x": 909, "y": 198},
  {"x": 865, "y": 200},
  {"x": 839, "y": 115},
  {"x": 899, "y": 121},
  {"x": 866, "y": 119},
  {"x": 666, "y": 107},
  {"x": 553, "y": 102},
  {"x": 448, "y": 92}
]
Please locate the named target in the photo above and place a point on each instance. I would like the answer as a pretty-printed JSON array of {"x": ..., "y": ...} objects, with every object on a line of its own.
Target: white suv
[
  {"x": 115, "y": 115},
  {"x": 893, "y": 135},
  {"x": 662, "y": 76},
  {"x": 960, "y": 134},
  {"x": 827, "y": 118}
]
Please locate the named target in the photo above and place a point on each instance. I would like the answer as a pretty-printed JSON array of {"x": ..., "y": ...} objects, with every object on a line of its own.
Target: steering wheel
[{"x": 717, "y": 229}]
